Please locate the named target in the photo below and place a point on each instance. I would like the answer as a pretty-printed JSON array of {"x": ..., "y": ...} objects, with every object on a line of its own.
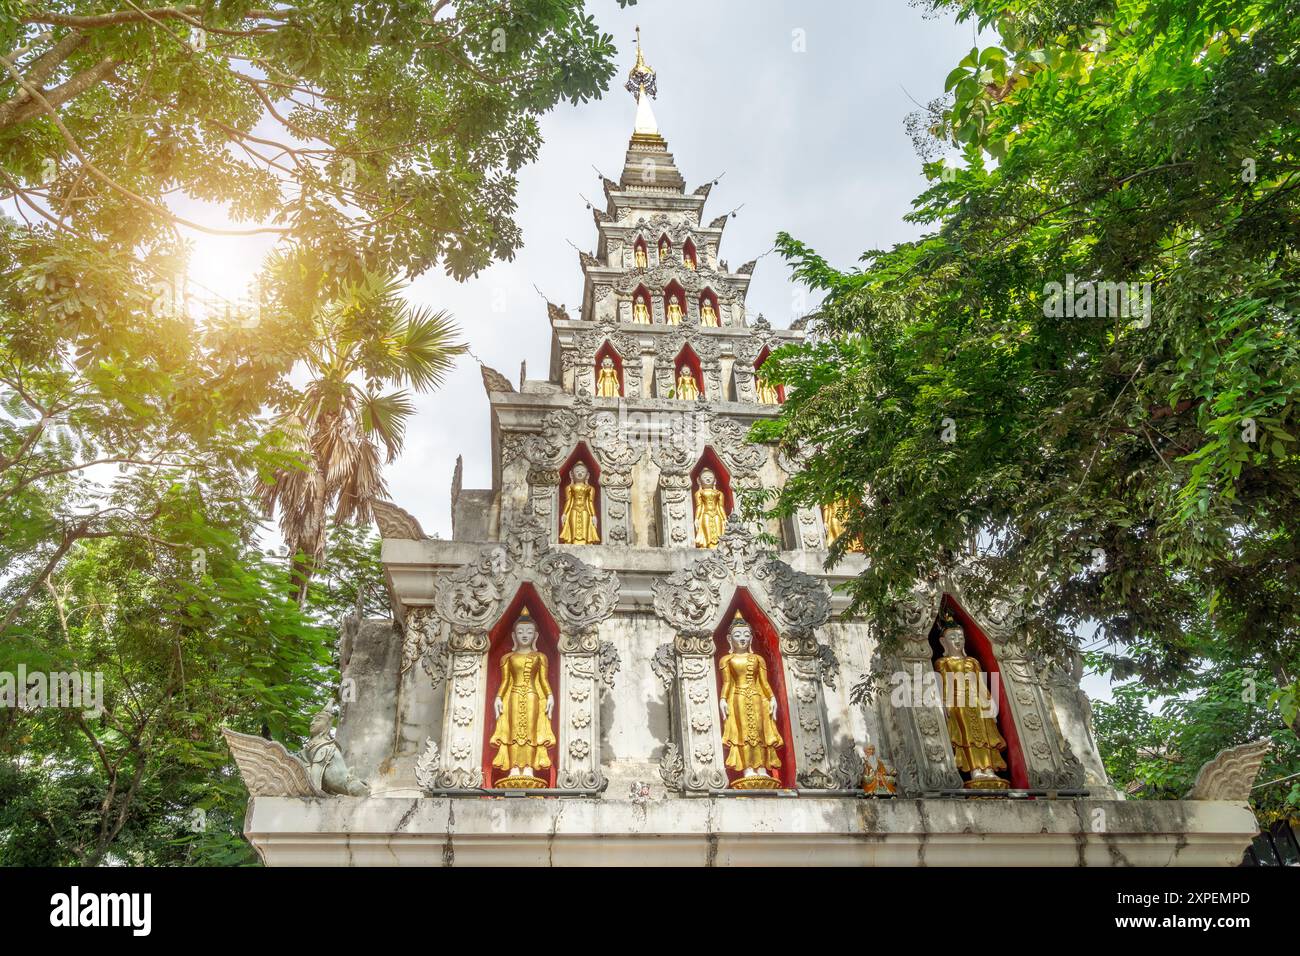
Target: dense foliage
[
  {"x": 137, "y": 414},
  {"x": 1129, "y": 469}
]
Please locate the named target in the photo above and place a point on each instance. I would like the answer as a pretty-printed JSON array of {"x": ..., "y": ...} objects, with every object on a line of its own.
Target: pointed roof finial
[{"x": 641, "y": 78}]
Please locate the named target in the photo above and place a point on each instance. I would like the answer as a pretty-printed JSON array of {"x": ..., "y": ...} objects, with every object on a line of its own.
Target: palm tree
[{"x": 366, "y": 340}]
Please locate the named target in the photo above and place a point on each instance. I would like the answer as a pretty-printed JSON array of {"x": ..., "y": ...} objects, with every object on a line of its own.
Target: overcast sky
[{"x": 810, "y": 142}]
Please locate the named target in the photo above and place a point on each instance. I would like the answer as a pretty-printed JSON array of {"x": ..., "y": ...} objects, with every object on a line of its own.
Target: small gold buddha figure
[
  {"x": 748, "y": 707},
  {"x": 674, "y": 311},
  {"x": 578, "y": 520},
  {"x": 767, "y": 393},
  {"x": 607, "y": 385},
  {"x": 639, "y": 253},
  {"x": 836, "y": 518},
  {"x": 710, "y": 511},
  {"x": 665, "y": 248},
  {"x": 686, "y": 390},
  {"x": 688, "y": 258},
  {"x": 976, "y": 742},
  {"x": 877, "y": 779},
  {"x": 640, "y": 310},
  {"x": 523, "y": 707},
  {"x": 708, "y": 316}
]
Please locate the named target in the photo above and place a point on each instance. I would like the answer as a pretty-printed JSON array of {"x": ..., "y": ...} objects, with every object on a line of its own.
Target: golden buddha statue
[
  {"x": 708, "y": 316},
  {"x": 976, "y": 742},
  {"x": 687, "y": 390},
  {"x": 639, "y": 253},
  {"x": 640, "y": 310},
  {"x": 836, "y": 518},
  {"x": 523, "y": 707},
  {"x": 674, "y": 311},
  {"x": 767, "y": 393},
  {"x": 578, "y": 520},
  {"x": 748, "y": 707},
  {"x": 665, "y": 248},
  {"x": 688, "y": 258},
  {"x": 607, "y": 385},
  {"x": 710, "y": 511}
]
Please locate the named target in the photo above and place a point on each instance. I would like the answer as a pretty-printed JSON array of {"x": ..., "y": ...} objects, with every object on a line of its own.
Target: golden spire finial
[{"x": 641, "y": 78}]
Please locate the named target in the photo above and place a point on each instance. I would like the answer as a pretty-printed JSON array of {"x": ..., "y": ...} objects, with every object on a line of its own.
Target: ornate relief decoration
[
  {"x": 677, "y": 451},
  {"x": 557, "y": 313},
  {"x": 494, "y": 381},
  {"x": 472, "y": 599},
  {"x": 706, "y": 348},
  {"x": 1231, "y": 773},
  {"x": 393, "y": 522},
  {"x": 747, "y": 352},
  {"x": 581, "y": 358},
  {"x": 718, "y": 223},
  {"x": 561, "y": 432},
  {"x": 588, "y": 261},
  {"x": 1050, "y": 761},
  {"x": 692, "y": 600}
]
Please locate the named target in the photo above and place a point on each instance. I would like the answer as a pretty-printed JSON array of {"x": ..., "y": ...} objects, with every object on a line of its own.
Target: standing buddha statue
[
  {"x": 767, "y": 393},
  {"x": 523, "y": 707},
  {"x": 976, "y": 742},
  {"x": 688, "y": 258},
  {"x": 836, "y": 518},
  {"x": 607, "y": 385},
  {"x": 748, "y": 707},
  {"x": 686, "y": 390},
  {"x": 708, "y": 315},
  {"x": 578, "y": 520},
  {"x": 665, "y": 249},
  {"x": 639, "y": 254},
  {"x": 710, "y": 511},
  {"x": 674, "y": 311},
  {"x": 640, "y": 310}
]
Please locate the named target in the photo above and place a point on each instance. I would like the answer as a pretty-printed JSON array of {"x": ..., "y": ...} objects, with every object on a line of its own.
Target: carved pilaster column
[
  {"x": 807, "y": 712},
  {"x": 462, "y": 724},
  {"x": 910, "y": 705},
  {"x": 698, "y": 729},
  {"x": 805, "y": 530},
  {"x": 675, "y": 525},
  {"x": 616, "y": 507},
  {"x": 743, "y": 373},
  {"x": 544, "y": 495},
  {"x": 578, "y": 767},
  {"x": 1049, "y": 759}
]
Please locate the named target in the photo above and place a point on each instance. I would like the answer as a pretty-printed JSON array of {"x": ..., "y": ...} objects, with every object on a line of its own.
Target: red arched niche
[
  {"x": 641, "y": 247},
  {"x": 499, "y": 645},
  {"x": 758, "y": 370},
  {"x": 673, "y": 291},
  {"x": 663, "y": 244},
  {"x": 580, "y": 454},
  {"x": 692, "y": 361},
  {"x": 708, "y": 296},
  {"x": 608, "y": 351},
  {"x": 711, "y": 461},
  {"x": 979, "y": 647},
  {"x": 642, "y": 293},
  {"x": 689, "y": 258},
  {"x": 767, "y": 644}
]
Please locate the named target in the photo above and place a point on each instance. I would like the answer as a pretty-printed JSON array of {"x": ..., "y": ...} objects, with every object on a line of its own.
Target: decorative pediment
[
  {"x": 581, "y": 422},
  {"x": 693, "y": 599},
  {"x": 583, "y": 353},
  {"x": 679, "y": 448},
  {"x": 693, "y": 281},
  {"x": 473, "y": 598}
]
